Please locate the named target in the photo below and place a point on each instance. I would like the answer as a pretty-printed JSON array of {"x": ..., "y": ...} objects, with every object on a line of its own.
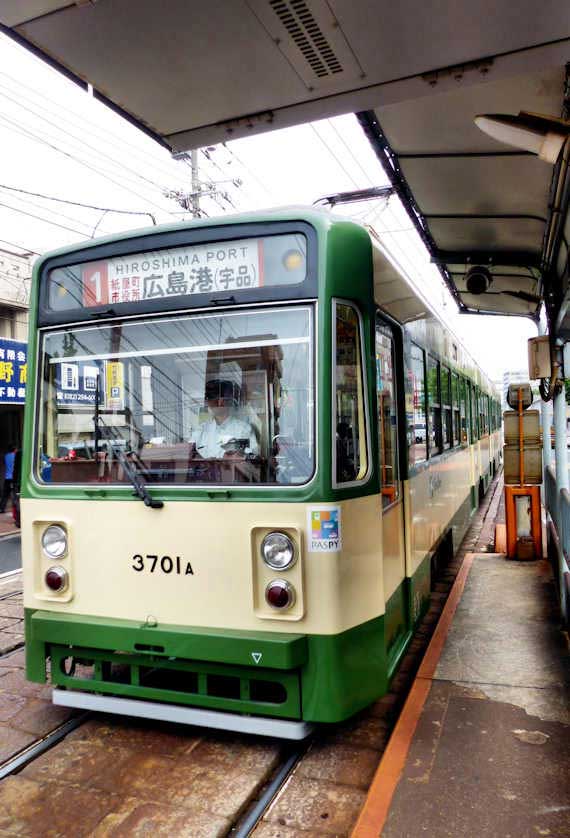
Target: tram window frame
[
  {"x": 481, "y": 409},
  {"x": 434, "y": 430},
  {"x": 389, "y": 489},
  {"x": 464, "y": 429},
  {"x": 363, "y": 419},
  {"x": 419, "y": 412},
  {"x": 446, "y": 406}
]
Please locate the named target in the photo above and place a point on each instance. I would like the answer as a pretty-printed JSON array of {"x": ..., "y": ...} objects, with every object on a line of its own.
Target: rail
[
  {"x": 551, "y": 496},
  {"x": 564, "y": 519},
  {"x": 558, "y": 506}
]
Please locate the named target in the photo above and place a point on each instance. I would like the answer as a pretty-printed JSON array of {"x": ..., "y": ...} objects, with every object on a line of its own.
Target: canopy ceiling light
[{"x": 535, "y": 132}]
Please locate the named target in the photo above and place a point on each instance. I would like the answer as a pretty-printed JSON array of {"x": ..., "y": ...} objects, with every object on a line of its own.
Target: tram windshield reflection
[{"x": 204, "y": 398}]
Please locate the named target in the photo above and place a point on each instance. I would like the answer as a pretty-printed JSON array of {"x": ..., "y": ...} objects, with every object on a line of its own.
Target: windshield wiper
[{"x": 136, "y": 479}]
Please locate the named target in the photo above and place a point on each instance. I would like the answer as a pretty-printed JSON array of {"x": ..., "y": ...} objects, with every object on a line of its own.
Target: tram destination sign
[{"x": 224, "y": 267}]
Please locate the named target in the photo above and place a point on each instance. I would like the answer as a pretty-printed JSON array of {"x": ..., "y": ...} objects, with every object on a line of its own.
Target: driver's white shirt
[{"x": 211, "y": 437}]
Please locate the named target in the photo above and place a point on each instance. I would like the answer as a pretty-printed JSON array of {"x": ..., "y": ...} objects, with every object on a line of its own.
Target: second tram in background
[{"x": 247, "y": 440}]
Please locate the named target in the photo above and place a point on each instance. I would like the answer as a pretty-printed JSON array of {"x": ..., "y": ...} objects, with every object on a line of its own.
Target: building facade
[{"x": 15, "y": 280}]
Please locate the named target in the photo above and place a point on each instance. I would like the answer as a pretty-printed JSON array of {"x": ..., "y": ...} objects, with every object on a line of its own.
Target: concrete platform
[{"x": 488, "y": 752}]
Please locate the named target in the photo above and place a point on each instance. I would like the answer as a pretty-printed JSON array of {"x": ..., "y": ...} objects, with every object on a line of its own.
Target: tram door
[{"x": 389, "y": 421}]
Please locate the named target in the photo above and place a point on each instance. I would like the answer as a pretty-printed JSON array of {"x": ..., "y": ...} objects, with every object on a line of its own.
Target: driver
[{"x": 224, "y": 434}]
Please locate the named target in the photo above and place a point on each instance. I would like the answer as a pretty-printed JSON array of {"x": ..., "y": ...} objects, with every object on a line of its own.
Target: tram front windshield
[{"x": 202, "y": 398}]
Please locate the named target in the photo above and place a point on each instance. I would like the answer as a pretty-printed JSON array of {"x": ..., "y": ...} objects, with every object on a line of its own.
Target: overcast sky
[{"x": 59, "y": 142}]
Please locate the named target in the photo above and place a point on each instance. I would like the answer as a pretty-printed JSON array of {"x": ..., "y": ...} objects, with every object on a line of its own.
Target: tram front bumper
[{"x": 219, "y": 669}]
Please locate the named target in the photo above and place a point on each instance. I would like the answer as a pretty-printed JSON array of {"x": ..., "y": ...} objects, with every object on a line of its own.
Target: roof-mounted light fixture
[{"x": 538, "y": 133}]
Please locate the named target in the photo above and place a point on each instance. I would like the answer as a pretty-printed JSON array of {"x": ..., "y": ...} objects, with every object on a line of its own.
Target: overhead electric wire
[
  {"x": 74, "y": 203},
  {"x": 350, "y": 151},
  {"x": 20, "y": 247},
  {"x": 242, "y": 190},
  {"x": 60, "y": 143},
  {"x": 244, "y": 166},
  {"x": 332, "y": 153},
  {"x": 100, "y": 172},
  {"x": 41, "y": 140},
  {"x": 19, "y": 286},
  {"x": 54, "y": 213},
  {"x": 213, "y": 194},
  {"x": 95, "y": 129},
  {"x": 108, "y": 136},
  {"x": 39, "y": 218},
  {"x": 83, "y": 143}
]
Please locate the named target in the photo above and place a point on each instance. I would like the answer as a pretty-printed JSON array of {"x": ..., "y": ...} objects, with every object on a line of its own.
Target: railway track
[{"x": 11, "y": 613}]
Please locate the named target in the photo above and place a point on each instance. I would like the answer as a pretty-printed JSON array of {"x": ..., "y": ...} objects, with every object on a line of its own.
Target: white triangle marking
[{"x": 256, "y": 656}]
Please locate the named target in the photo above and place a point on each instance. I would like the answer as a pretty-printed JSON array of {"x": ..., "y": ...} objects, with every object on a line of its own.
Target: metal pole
[
  {"x": 546, "y": 422},
  {"x": 560, "y": 449}
]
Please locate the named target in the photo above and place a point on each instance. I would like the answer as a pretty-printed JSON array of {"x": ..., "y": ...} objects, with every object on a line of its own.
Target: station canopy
[{"x": 196, "y": 73}]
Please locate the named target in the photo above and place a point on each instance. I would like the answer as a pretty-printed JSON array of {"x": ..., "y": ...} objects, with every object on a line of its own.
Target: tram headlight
[
  {"x": 293, "y": 260},
  {"x": 56, "y": 579},
  {"x": 278, "y": 551},
  {"x": 54, "y": 542},
  {"x": 280, "y": 594}
]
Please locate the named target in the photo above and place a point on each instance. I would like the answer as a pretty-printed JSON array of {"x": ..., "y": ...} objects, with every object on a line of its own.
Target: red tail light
[
  {"x": 56, "y": 579},
  {"x": 280, "y": 594}
]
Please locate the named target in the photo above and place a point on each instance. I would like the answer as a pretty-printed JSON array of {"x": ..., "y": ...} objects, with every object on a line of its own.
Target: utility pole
[
  {"x": 195, "y": 195},
  {"x": 190, "y": 201}
]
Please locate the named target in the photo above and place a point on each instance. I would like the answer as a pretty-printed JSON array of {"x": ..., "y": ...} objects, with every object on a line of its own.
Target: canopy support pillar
[{"x": 560, "y": 440}]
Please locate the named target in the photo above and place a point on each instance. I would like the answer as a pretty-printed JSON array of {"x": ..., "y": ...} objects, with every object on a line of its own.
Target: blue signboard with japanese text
[{"x": 13, "y": 371}]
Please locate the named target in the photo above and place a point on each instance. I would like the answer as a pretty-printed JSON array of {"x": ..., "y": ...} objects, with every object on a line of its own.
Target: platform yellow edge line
[{"x": 376, "y": 807}]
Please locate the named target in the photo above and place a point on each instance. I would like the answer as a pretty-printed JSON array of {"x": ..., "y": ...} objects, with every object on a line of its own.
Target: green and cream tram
[{"x": 246, "y": 440}]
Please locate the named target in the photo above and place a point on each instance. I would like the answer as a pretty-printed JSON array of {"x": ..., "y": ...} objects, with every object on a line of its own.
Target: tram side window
[
  {"x": 417, "y": 426},
  {"x": 447, "y": 431},
  {"x": 463, "y": 411},
  {"x": 456, "y": 410},
  {"x": 474, "y": 425},
  {"x": 350, "y": 453},
  {"x": 482, "y": 417},
  {"x": 387, "y": 414},
  {"x": 434, "y": 406}
]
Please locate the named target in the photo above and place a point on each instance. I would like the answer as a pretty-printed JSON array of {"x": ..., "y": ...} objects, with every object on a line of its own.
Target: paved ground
[
  {"x": 10, "y": 553},
  {"x": 7, "y": 526},
  {"x": 490, "y": 753}
]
